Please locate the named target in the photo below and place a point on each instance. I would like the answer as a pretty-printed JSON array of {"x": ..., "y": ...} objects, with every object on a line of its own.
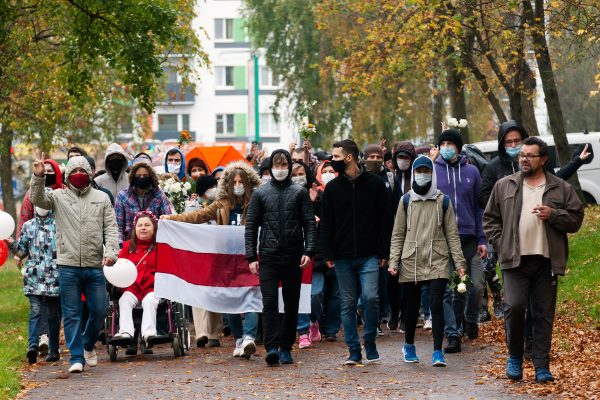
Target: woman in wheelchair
[{"x": 141, "y": 250}]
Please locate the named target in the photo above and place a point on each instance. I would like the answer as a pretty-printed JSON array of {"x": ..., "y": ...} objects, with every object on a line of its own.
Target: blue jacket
[
  {"x": 182, "y": 170},
  {"x": 462, "y": 183}
]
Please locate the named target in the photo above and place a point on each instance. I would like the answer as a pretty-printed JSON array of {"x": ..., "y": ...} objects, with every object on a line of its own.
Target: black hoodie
[{"x": 285, "y": 216}]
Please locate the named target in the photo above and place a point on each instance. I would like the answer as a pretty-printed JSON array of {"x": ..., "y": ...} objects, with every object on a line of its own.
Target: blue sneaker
[
  {"x": 543, "y": 375},
  {"x": 371, "y": 352},
  {"x": 438, "y": 358},
  {"x": 272, "y": 357},
  {"x": 514, "y": 368},
  {"x": 410, "y": 353},
  {"x": 285, "y": 357},
  {"x": 355, "y": 357}
]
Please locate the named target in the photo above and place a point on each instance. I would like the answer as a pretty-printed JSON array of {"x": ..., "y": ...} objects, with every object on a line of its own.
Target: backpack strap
[
  {"x": 445, "y": 203},
  {"x": 405, "y": 200}
]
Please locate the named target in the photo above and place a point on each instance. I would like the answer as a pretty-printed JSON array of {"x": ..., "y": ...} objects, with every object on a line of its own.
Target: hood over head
[
  {"x": 182, "y": 169},
  {"x": 424, "y": 161},
  {"x": 230, "y": 171},
  {"x": 310, "y": 176},
  {"x": 115, "y": 148},
  {"x": 406, "y": 148},
  {"x": 289, "y": 162},
  {"x": 510, "y": 125},
  {"x": 78, "y": 162},
  {"x": 59, "y": 176}
]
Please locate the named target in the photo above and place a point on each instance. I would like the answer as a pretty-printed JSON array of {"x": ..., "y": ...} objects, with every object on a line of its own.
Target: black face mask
[
  {"x": 421, "y": 190},
  {"x": 374, "y": 166},
  {"x": 115, "y": 165},
  {"x": 338, "y": 166},
  {"x": 142, "y": 182},
  {"x": 50, "y": 179}
]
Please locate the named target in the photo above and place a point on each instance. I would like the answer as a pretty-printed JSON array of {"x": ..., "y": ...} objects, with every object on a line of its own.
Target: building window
[
  {"x": 267, "y": 79},
  {"x": 268, "y": 125},
  {"x": 167, "y": 122},
  {"x": 185, "y": 122},
  {"x": 224, "y": 29},
  {"x": 225, "y": 124},
  {"x": 224, "y": 76}
]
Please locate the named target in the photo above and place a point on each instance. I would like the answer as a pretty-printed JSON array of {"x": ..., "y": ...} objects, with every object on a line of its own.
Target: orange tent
[{"x": 215, "y": 155}]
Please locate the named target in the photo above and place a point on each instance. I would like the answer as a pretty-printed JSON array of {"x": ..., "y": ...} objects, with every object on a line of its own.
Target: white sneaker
[
  {"x": 91, "y": 358},
  {"x": 76, "y": 368},
  {"x": 43, "y": 346},
  {"x": 427, "y": 325},
  {"x": 238, "y": 351},
  {"x": 248, "y": 347}
]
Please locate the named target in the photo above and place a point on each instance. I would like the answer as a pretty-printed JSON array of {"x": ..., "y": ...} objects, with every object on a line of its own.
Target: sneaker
[
  {"x": 371, "y": 352},
  {"x": 285, "y": 356},
  {"x": 90, "y": 357},
  {"x": 272, "y": 357},
  {"x": 437, "y": 358},
  {"x": 355, "y": 357},
  {"x": 514, "y": 368},
  {"x": 528, "y": 354},
  {"x": 213, "y": 343},
  {"x": 248, "y": 347},
  {"x": 201, "y": 341},
  {"x": 453, "y": 345},
  {"x": 427, "y": 325},
  {"x": 53, "y": 355},
  {"x": 43, "y": 347},
  {"x": 392, "y": 324},
  {"x": 32, "y": 354},
  {"x": 313, "y": 332},
  {"x": 238, "y": 351},
  {"x": 543, "y": 375},
  {"x": 76, "y": 368},
  {"x": 410, "y": 353},
  {"x": 304, "y": 341},
  {"x": 471, "y": 330},
  {"x": 379, "y": 331}
]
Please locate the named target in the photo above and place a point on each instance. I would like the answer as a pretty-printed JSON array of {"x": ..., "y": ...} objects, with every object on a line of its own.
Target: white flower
[
  {"x": 462, "y": 123},
  {"x": 461, "y": 288},
  {"x": 187, "y": 186},
  {"x": 453, "y": 122},
  {"x": 183, "y": 191},
  {"x": 175, "y": 188}
]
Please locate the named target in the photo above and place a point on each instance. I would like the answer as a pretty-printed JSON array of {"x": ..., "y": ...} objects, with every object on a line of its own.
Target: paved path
[{"x": 317, "y": 374}]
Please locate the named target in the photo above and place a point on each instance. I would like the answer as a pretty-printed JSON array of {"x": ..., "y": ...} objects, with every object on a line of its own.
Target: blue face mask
[
  {"x": 448, "y": 153},
  {"x": 423, "y": 178},
  {"x": 513, "y": 151}
]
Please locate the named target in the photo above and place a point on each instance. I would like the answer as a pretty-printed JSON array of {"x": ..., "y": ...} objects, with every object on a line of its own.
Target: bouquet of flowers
[
  {"x": 308, "y": 130},
  {"x": 456, "y": 123},
  {"x": 184, "y": 138},
  {"x": 460, "y": 284},
  {"x": 177, "y": 193}
]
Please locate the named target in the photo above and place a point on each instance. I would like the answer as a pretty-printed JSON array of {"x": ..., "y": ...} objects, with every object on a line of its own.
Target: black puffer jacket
[
  {"x": 286, "y": 218},
  {"x": 503, "y": 165}
]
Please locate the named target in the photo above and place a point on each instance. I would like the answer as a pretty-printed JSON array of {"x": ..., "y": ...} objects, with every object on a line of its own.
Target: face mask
[
  {"x": 402, "y": 164},
  {"x": 79, "y": 180},
  {"x": 41, "y": 212},
  {"x": 338, "y": 166},
  {"x": 374, "y": 166},
  {"x": 50, "y": 180},
  {"x": 142, "y": 182},
  {"x": 422, "y": 179},
  {"x": 327, "y": 177},
  {"x": 265, "y": 179},
  {"x": 115, "y": 165},
  {"x": 211, "y": 193},
  {"x": 299, "y": 180},
  {"x": 280, "y": 174},
  {"x": 173, "y": 168},
  {"x": 239, "y": 190},
  {"x": 513, "y": 151},
  {"x": 448, "y": 153},
  {"x": 422, "y": 190}
]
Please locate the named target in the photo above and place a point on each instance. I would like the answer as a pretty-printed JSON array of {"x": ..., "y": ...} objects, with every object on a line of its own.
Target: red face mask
[{"x": 79, "y": 180}]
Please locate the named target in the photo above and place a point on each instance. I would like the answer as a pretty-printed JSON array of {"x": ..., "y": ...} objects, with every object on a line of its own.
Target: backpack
[
  {"x": 475, "y": 156},
  {"x": 406, "y": 201}
]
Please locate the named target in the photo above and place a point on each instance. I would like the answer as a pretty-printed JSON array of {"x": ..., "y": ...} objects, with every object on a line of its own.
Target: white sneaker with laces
[
  {"x": 76, "y": 368},
  {"x": 248, "y": 347},
  {"x": 91, "y": 358},
  {"x": 43, "y": 346},
  {"x": 427, "y": 325},
  {"x": 238, "y": 351}
]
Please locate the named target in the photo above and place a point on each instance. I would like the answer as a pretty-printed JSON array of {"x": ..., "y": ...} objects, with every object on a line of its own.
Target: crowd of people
[{"x": 387, "y": 232}]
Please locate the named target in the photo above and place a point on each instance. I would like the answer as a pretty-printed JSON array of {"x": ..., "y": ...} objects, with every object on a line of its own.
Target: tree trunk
[
  {"x": 437, "y": 100},
  {"x": 456, "y": 93},
  {"x": 8, "y": 195}
]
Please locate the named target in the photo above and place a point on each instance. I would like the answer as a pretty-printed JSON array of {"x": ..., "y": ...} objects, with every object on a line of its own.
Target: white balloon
[
  {"x": 7, "y": 225},
  {"x": 122, "y": 274}
]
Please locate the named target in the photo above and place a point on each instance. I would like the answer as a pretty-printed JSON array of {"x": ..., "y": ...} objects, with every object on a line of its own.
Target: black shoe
[
  {"x": 145, "y": 349},
  {"x": 393, "y": 324},
  {"x": 272, "y": 357},
  {"x": 131, "y": 350},
  {"x": 471, "y": 330},
  {"x": 53, "y": 355},
  {"x": 484, "y": 316},
  {"x": 201, "y": 341},
  {"x": 453, "y": 345},
  {"x": 226, "y": 331},
  {"x": 32, "y": 354},
  {"x": 528, "y": 348},
  {"x": 213, "y": 343}
]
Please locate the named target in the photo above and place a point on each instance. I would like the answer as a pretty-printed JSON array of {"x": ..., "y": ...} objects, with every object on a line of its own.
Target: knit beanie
[
  {"x": 373, "y": 148},
  {"x": 452, "y": 135}
]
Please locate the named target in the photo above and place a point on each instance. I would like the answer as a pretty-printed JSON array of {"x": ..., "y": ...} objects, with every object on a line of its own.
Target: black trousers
[
  {"x": 280, "y": 330},
  {"x": 530, "y": 285},
  {"x": 412, "y": 295}
]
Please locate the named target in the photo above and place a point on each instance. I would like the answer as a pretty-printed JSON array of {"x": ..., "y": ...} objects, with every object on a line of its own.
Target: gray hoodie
[{"x": 107, "y": 181}]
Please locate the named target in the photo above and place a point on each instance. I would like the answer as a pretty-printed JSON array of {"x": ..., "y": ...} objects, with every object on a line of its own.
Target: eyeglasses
[
  {"x": 528, "y": 157},
  {"x": 514, "y": 141}
]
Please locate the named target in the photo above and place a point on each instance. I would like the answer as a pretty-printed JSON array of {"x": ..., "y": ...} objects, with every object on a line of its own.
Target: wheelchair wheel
[
  {"x": 112, "y": 352},
  {"x": 177, "y": 346}
]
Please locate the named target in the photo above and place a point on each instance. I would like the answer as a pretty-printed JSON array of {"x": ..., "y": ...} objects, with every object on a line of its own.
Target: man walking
[
  {"x": 86, "y": 239},
  {"x": 355, "y": 227},
  {"x": 527, "y": 220}
]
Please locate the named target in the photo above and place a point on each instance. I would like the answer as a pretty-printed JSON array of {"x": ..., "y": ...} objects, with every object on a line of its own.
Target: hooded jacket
[
  {"x": 503, "y": 165},
  {"x": 285, "y": 215},
  {"x": 106, "y": 180},
  {"x": 220, "y": 209},
  {"x": 182, "y": 169},
  {"x": 85, "y": 220},
  {"x": 462, "y": 183},
  {"x": 424, "y": 236},
  {"x": 404, "y": 176}
]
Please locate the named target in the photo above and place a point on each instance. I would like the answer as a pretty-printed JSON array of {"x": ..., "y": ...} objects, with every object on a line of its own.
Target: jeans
[
  {"x": 75, "y": 281},
  {"x": 44, "y": 316},
  {"x": 425, "y": 300},
  {"x": 246, "y": 328},
  {"x": 413, "y": 293},
  {"x": 325, "y": 304},
  {"x": 350, "y": 273}
]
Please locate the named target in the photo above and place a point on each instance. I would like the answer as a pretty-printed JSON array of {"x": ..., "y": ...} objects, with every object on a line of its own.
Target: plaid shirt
[{"x": 128, "y": 204}]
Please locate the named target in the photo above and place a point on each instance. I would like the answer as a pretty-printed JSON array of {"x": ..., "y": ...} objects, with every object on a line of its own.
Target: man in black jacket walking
[
  {"x": 285, "y": 215},
  {"x": 355, "y": 238}
]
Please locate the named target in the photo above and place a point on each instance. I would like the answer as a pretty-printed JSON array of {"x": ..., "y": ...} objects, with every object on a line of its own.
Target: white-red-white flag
[{"x": 205, "y": 266}]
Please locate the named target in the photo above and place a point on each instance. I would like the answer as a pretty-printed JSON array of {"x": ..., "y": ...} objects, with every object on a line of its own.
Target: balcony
[{"x": 176, "y": 93}]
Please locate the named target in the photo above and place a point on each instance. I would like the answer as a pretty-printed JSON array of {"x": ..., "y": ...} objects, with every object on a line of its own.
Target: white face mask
[
  {"x": 173, "y": 168},
  {"x": 423, "y": 178},
  {"x": 299, "y": 180},
  {"x": 211, "y": 193},
  {"x": 327, "y": 177},
  {"x": 280, "y": 174},
  {"x": 239, "y": 190},
  {"x": 41, "y": 211},
  {"x": 402, "y": 164}
]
